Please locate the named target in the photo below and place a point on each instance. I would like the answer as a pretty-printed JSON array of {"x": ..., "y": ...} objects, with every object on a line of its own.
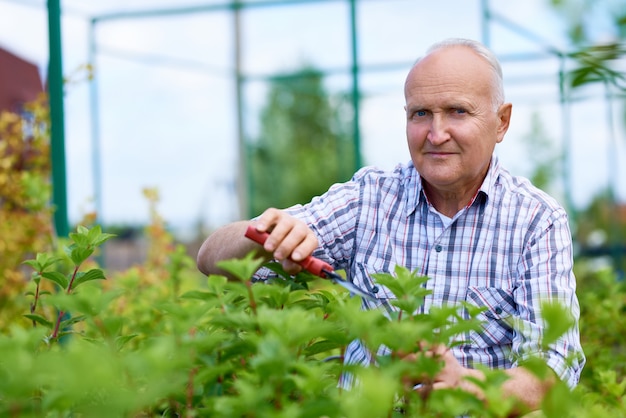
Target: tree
[
  {"x": 304, "y": 145},
  {"x": 545, "y": 164},
  {"x": 597, "y": 60}
]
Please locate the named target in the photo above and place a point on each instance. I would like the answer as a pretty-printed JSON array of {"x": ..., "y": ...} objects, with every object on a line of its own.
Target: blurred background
[{"x": 228, "y": 107}]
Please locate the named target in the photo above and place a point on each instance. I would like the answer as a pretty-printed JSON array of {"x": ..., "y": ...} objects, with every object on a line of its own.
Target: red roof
[{"x": 20, "y": 81}]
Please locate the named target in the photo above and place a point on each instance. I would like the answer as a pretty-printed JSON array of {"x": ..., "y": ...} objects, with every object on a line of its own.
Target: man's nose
[{"x": 438, "y": 132}]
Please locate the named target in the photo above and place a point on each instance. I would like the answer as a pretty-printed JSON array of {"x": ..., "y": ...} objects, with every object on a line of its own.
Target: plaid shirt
[{"x": 507, "y": 251}]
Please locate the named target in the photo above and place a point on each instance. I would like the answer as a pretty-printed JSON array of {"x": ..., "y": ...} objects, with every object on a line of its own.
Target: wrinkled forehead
[{"x": 454, "y": 64}]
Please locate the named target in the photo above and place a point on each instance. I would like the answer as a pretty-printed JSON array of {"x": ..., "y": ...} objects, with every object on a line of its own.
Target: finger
[
  {"x": 291, "y": 267},
  {"x": 433, "y": 350},
  {"x": 278, "y": 224},
  {"x": 439, "y": 350},
  {"x": 292, "y": 234},
  {"x": 408, "y": 357},
  {"x": 268, "y": 219},
  {"x": 440, "y": 385},
  {"x": 306, "y": 246}
]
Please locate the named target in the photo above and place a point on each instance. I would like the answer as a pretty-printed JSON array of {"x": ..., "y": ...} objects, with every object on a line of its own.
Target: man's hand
[
  {"x": 452, "y": 374},
  {"x": 522, "y": 385},
  {"x": 290, "y": 240}
]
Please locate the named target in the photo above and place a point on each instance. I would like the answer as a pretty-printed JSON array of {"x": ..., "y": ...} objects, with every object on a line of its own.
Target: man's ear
[{"x": 504, "y": 119}]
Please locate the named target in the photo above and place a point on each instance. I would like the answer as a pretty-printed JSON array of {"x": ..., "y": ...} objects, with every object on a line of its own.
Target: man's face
[{"x": 452, "y": 127}]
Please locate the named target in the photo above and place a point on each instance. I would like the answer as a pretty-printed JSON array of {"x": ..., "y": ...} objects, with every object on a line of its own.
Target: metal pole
[
  {"x": 612, "y": 156},
  {"x": 243, "y": 183},
  {"x": 57, "y": 126},
  {"x": 95, "y": 123},
  {"x": 613, "y": 174},
  {"x": 566, "y": 139},
  {"x": 486, "y": 22},
  {"x": 96, "y": 149},
  {"x": 355, "y": 87}
]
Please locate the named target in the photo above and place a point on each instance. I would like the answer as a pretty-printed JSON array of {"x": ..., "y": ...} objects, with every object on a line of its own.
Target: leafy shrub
[
  {"x": 174, "y": 348},
  {"x": 162, "y": 340},
  {"x": 25, "y": 214}
]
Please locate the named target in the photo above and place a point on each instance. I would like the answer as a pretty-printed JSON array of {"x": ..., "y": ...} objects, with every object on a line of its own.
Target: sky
[{"x": 166, "y": 110}]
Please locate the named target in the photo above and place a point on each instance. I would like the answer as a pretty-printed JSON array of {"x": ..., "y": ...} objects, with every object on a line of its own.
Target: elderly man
[{"x": 453, "y": 212}]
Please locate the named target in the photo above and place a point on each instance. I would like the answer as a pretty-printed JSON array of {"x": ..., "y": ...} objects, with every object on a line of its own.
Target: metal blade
[{"x": 351, "y": 287}]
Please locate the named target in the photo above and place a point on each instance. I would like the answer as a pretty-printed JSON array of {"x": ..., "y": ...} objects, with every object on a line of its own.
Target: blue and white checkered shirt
[{"x": 509, "y": 250}]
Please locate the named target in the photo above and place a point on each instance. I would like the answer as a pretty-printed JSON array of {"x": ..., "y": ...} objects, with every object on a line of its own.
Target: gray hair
[{"x": 487, "y": 54}]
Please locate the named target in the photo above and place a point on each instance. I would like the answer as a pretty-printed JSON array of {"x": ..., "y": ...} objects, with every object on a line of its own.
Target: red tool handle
[{"x": 310, "y": 264}]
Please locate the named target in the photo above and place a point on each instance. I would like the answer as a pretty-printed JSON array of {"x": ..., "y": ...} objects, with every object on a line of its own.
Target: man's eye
[
  {"x": 420, "y": 113},
  {"x": 459, "y": 111}
]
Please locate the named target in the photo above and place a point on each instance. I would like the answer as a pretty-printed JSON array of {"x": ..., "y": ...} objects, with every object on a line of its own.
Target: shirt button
[
  {"x": 498, "y": 310},
  {"x": 438, "y": 248},
  {"x": 375, "y": 289}
]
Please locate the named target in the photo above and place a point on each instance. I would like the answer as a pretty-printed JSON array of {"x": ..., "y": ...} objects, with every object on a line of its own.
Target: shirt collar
[{"x": 416, "y": 195}]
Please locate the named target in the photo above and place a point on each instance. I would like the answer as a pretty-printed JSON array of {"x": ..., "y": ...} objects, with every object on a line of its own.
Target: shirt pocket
[{"x": 498, "y": 309}]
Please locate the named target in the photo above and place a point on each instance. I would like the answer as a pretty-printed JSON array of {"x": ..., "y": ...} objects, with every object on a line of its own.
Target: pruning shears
[{"x": 315, "y": 266}]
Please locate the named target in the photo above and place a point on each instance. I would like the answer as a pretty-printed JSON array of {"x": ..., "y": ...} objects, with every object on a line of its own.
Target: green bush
[
  {"x": 195, "y": 346},
  {"x": 25, "y": 191}
]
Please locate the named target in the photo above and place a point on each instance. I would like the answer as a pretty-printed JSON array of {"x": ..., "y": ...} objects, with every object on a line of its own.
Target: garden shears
[{"x": 315, "y": 266}]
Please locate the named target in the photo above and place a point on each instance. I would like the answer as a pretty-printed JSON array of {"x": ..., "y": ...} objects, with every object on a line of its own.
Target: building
[{"x": 20, "y": 82}]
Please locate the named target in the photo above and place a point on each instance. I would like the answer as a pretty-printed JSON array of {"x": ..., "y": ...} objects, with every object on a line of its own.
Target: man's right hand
[{"x": 290, "y": 240}]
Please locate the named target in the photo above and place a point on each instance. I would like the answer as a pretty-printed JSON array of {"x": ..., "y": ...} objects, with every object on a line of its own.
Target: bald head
[{"x": 493, "y": 65}]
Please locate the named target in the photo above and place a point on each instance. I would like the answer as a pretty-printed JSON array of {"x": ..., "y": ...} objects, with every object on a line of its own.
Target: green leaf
[
  {"x": 322, "y": 347},
  {"x": 33, "y": 263},
  {"x": 406, "y": 305},
  {"x": 244, "y": 268},
  {"x": 40, "y": 320},
  {"x": 71, "y": 321},
  {"x": 121, "y": 340},
  {"x": 93, "y": 274},
  {"x": 611, "y": 383},
  {"x": 96, "y": 238},
  {"x": 537, "y": 366},
  {"x": 216, "y": 281},
  {"x": 79, "y": 254},
  {"x": 561, "y": 402},
  {"x": 79, "y": 239},
  {"x": 198, "y": 294},
  {"x": 558, "y": 321},
  {"x": 408, "y": 287},
  {"x": 57, "y": 278},
  {"x": 42, "y": 261}
]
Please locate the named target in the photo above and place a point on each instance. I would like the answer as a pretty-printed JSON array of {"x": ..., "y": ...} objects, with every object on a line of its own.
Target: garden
[{"x": 161, "y": 339}]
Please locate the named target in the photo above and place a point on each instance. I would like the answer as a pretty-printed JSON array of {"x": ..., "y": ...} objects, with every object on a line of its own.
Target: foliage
[
  {"x": 602, "y": 388},
  {"x": 162, "y": 340},
  {"x": 161, "y": 243},
  {"x": 595, "y": 58},
  {"x": 581, "y": 16},
  {"x": 83, "y": 244},
  {"x": 601, "y": 229},
  {"x": 603, "y": 309},
  {"x": 545, "y": 164},
  {"x": 304, "y": 145},
  {"x": 226, "y": 348},
  {"x": 597, "y": 30},
  {"x": 25, "y": 214}
]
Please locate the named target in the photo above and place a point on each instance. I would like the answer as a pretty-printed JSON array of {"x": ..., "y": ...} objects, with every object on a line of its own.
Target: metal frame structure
[
  {"x": 235, "y": 7},
  {"x": 57, "y": 119},
  {"x": 489, "y": 17}
]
